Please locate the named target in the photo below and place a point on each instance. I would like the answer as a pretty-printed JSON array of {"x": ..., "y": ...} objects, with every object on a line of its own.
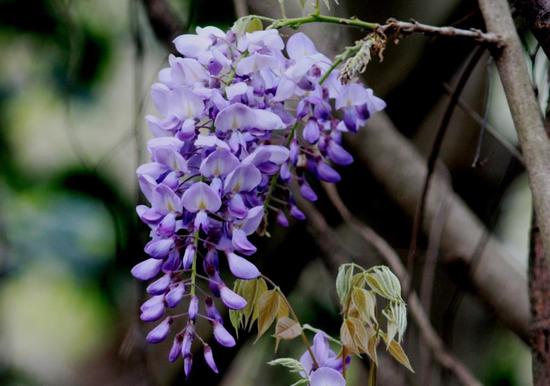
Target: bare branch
[{"x": 395, "y": 28}]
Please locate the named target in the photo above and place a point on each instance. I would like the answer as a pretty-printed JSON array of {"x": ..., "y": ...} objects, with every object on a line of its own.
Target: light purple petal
[
  {"x": 236, "y": 89},
  {"x": 231, "y": 299},
  {"x": 327, "y": 173},
  {"x": 193, "y": 308},
  {"x": 209, "y": 358},
  {"x": 243, "y": 179},
  {"x": 147, "y": 269},
  {"x": 159, "y": 333},
  {"x": 174, "y": 296},
  {"x": 188, "y": 257},
  {"x": 253, "y": 220},
  {"x": 159, "y": 248},
  {"x": 222, "y": 336},
  {"x": 219, "y": 163},
  {"x": 242, "y": 268},
  {"x": 200, "y": 196},
  {"x": 299, "y": 46},
  {"x": 311, "y": 131},
  {"x": 192, "y": 45},
  {"x": 159, "y": 286},
  {"x": 241, "y": 244},
  {"x": 234, "y": 117},
  {"x": 326, "y": 376},
  {"x": 175, "y": 350},
  {"x": 338, "y": 154}
]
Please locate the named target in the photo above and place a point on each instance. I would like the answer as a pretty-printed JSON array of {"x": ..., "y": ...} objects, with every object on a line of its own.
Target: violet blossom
[{"x": 240, "y": 114}]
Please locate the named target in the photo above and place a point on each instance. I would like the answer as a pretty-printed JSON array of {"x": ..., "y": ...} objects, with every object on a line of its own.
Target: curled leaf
[
  {"x": 383, "y": 281},
  {"x": 343, "y": 282},
  {"x": 286, "y": 329},
  {"x": 365, "y": 303}
]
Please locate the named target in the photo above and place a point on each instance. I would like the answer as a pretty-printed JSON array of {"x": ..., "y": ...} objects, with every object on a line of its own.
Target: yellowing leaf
[
  {"x": 365, "y": 302},
  {"x": 268, "y": 306},
  {"x": 397, "y": 352},
  {"x": 371, "y": 349},
  {"x": 251, "y": 290},
  {"x": 236, "y": 317},
  {"x": 286, "y": 329},
  {"x": 283, "y": 308},
  {"x": 354, "y": 336}
]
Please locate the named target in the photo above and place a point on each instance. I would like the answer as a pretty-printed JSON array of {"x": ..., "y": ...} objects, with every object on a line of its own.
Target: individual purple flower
[{"x": 242, "y": 268}]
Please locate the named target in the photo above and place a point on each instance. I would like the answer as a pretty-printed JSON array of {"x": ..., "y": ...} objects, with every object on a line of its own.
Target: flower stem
[
  {"x": 194, "y": 265},
  {"x": 295, "y": 22}
]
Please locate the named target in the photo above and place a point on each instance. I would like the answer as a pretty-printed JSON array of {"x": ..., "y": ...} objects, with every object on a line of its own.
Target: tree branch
[
  {"x": 510, "y": 61},
  {"x": 496, "y": 276}
]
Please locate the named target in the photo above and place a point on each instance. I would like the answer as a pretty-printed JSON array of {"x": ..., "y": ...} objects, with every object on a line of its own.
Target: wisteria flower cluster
[{"x": 241, "y": 116}]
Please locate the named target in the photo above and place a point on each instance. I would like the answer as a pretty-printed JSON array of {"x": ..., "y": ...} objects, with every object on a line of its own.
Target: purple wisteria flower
[
  {"x": 330, "y": 367},
  {"x": 241, "y": 115}
]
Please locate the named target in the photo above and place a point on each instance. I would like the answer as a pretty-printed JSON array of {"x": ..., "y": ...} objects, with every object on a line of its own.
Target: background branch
[{"x": 497, "y": 277}]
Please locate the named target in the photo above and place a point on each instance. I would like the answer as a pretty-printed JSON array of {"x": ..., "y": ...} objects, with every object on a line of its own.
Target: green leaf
[
  {"x": 382, "y": 281},
  {"x": 290, "y": 363},
  {"x": 343, "y": 282},
  {"x": 247, "y": 24},
  {"x": 396, "y": 316},
  {"x": 254, "y": 24},
  {"x": 236, "y": 317}
]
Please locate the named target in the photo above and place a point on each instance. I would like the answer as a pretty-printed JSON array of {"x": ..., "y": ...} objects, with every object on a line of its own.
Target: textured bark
[{"x": 526, "y": 114}]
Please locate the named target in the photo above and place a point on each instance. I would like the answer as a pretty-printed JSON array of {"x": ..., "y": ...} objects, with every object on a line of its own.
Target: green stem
[
  {"x": 372, "y": 374},
  {"x": 194, "y": 265},
  {"x": 331, "y": 68},
  {"x": 295, "y": 22},
  {"x": 308, "y": 327}
]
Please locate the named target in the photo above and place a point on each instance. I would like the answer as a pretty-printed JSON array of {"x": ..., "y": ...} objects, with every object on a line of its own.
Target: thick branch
[
  {"x": 537, "y": 15},
  {"x": 330, "y": 243},
  {"x": 525, "y": 110},
  {"x": 496, "y": 276}
]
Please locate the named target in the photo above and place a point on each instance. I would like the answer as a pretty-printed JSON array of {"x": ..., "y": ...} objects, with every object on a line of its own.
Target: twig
[
  {"x": 241, "y": 8},
  {"x": 392, "y": 28},
  {"x": 488, "y": 126},
  {"x": 428, "y": 333},
  {"x": 434, "y": 154}
]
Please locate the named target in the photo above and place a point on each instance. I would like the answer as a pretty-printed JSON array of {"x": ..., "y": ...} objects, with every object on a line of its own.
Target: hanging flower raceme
[{"x": 241, "y": 115}]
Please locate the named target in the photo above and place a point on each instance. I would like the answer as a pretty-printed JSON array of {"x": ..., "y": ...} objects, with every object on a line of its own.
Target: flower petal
[
  {"x": 200, "y": 196},
  {"x": 325, "y": 376},
  {"x": 147, "y": 269},
  {"x": 242, "y": 268}
]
